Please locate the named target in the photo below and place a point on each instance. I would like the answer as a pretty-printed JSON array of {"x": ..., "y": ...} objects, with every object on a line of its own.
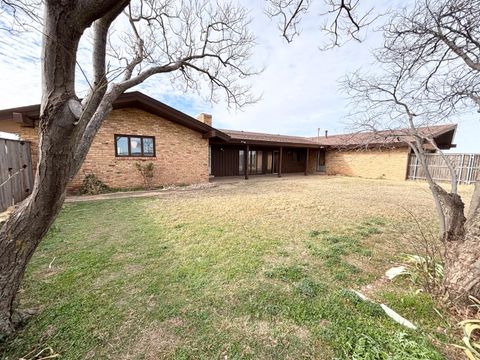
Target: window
[
  {"x": 241, "y": 161},
  {"x": 134, "y": 145},
  {"x": 259, "y": 162},
  {"x": 321, "y": 160}
]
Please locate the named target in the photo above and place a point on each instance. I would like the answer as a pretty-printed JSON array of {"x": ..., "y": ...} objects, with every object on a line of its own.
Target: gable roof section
[
  {"x": 136, "y": 99},
  {"x": 443, "y": 135}
]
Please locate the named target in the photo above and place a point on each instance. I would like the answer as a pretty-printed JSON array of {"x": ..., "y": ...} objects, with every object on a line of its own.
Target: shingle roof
[
  {"x": 360, "y": 139},
  {"x": 387, "y": 138},
  {"x": 238, "y": 136}
]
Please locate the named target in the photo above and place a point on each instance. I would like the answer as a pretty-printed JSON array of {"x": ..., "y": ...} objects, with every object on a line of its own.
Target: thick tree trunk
[
  {"x": 60, "y": 135},
  {"x": 462, "y": 255},
  {"x": 22, "y": 232},
  {"x": 461, "y": 239},
  {"x": 462, "y": 270}
]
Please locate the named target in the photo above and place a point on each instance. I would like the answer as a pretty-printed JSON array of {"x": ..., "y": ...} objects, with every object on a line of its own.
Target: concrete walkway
[
  {"x": 138, "y": 194},
  {"x": 214, "y": 182}
]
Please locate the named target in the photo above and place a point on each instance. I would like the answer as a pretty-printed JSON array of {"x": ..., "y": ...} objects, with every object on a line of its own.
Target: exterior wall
[
  {"x": 312, "y": 161},
  {"x": 373, "y": 163},
  {"x": 225, "y": 160},
  {"x": 181, "y": 153},
  {"x": 293, "y": 160}
]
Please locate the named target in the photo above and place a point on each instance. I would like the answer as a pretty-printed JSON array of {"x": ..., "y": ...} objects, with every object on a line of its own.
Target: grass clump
[
  {"x": 316, "y": 233},
  {"x": 309, "y": 287},
  {"x": 336, "y": 248},
  {"x": 287, "y": 273}
]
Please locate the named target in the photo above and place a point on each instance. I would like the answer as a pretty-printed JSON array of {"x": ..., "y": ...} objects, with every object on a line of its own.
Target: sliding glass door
[{"x": 259, "y": 162}]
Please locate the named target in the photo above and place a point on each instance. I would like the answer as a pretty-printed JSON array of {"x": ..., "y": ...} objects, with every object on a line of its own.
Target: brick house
[{"x": 185, "y": 150}]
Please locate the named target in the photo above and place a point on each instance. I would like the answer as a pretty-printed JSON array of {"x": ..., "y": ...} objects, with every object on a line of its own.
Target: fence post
[
  {"x": 469, "y": 170},
  {"x": 415, "y": 168},
  {"x": 460, "y": 173}
]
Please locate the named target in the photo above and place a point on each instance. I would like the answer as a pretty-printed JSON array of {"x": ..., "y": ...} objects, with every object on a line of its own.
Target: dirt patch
[
  {"x": 158, "y": 341},
  {"x": 265, "y": 331},
  {"x": 370, "y": 289}
]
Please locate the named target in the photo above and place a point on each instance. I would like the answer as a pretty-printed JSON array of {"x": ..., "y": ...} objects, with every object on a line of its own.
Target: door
[
  {"x": 276, "y": 156},
  {"x": 321, "y": 160}
]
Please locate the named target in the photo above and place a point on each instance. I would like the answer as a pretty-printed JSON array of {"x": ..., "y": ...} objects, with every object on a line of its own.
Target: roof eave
[
  {"x": 273, "y": 143},
  {"x": 129, "y": 99}
]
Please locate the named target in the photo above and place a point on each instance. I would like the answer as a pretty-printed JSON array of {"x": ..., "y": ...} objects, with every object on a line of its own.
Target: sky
[{"x": 299, "y": 86}]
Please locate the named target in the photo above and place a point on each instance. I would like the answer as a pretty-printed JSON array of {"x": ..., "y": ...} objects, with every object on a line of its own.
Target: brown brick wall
[
  {"x": 374, "y": 164},
  {"x": 181, "y": 153}
]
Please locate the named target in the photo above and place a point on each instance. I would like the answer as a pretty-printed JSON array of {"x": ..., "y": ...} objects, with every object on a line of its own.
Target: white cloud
[{"x": 299, "y": 84}]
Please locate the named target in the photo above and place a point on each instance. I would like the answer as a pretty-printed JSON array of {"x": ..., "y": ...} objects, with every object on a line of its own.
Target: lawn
[{"x": 247, "y": 270}]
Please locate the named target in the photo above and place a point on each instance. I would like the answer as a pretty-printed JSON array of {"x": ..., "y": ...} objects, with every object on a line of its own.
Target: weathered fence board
[
  {"x": 16, "y": 175},
  {"x": 467, "y": 167}
]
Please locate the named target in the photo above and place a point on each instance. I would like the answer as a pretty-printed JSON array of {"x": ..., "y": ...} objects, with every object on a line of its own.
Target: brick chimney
[{"x": 205, "y": 118}]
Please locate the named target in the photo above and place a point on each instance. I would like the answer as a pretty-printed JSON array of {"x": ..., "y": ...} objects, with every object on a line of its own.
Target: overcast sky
[{"x": 299, "y": 86}]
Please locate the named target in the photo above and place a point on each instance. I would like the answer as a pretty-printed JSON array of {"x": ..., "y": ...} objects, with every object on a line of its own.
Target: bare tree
[
  {"x": 341, "y": 19},
  {"x": 430, "y": 70},
  {"x": 196, "y": 41},
  {"x": 440, "y": 44}
]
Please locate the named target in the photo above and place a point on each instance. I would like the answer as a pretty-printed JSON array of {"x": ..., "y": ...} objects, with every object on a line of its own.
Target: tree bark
[
  {"x": 59, "y": 136},
  {"x": 462, "y": 269},
  {"x": 462, "y": 257},
  {"x": 460, "y": 236}
]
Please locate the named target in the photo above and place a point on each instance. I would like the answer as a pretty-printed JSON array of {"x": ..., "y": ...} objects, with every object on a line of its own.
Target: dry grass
[{"x": 250, "y": 269}]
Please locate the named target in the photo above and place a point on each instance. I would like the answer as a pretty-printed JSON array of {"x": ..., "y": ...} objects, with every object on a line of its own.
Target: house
[{"x": 187, "y": 150}]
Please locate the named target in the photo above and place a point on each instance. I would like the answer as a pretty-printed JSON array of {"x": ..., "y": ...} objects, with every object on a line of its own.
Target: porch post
[
  {"x": 280, "y": 160},
  {"x": 247, "y": 161},
  {"x": 306, "y": 161}
]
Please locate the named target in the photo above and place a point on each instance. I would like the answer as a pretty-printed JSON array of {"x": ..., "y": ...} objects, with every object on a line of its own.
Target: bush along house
[{"x": 185, "y": 150}]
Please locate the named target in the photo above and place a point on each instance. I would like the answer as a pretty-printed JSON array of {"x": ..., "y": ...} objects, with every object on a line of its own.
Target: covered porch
[{"x": 233, "y": 160}]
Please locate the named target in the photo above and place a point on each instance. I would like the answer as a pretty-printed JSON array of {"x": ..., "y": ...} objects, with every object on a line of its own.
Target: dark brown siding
[
  {"x": 225, "y": 161},
  {"x": 293, "y": 160}
]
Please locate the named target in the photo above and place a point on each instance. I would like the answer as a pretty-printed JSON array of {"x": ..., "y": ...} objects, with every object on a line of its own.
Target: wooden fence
[
  {"x": 16, "y": 175},
  {"x": 467, "y": 167}
]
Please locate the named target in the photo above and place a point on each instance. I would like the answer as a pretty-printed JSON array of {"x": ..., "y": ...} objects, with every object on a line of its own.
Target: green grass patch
[
  {"x": 335, "y": 248},
  {"x": 254, "y": 271},
  {"x": 287, "y": 273}
]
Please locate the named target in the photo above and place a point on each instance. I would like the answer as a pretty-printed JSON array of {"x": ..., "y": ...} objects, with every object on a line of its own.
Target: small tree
[
  {"x": 430, "y": 70},
  {"x": 147, "y": 172},
  {"x": 200, "y": 43}
]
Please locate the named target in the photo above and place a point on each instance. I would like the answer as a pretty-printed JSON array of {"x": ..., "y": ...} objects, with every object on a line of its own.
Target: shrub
[
  {"x": 92, "y": 185},
  {"x": 146, "y": 170}
]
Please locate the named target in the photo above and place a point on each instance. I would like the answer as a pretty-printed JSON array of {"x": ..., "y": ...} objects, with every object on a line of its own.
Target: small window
[
  {"x": 122, "y": 145},
  {"x": 133, "y": 145}
]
